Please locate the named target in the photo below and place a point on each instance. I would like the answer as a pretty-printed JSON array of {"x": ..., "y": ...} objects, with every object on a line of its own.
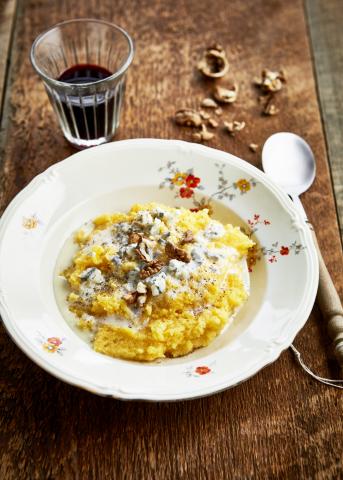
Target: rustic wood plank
[
  {"x": 279, "y": 424},
  {"x": 7, "y": 16},
  {"x": 325, "y": 21}
]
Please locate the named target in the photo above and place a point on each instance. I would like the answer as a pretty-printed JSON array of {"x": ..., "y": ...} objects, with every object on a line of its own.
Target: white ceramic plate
[{"x": 112, "y": 177}]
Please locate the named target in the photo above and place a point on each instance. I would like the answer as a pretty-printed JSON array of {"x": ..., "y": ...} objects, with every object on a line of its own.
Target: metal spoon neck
[{"x": 299, "y": 205}]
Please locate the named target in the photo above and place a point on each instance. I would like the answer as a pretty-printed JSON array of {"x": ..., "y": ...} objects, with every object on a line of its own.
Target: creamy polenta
[{"x": 157, "y": 281}]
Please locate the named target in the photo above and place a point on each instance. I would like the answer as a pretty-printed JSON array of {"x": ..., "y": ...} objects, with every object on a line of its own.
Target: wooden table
[{"x": 279, "y": 424}]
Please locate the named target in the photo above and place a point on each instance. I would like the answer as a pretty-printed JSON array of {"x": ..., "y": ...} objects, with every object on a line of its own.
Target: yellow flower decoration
[
  {"x": 30, "y": 222},
  {"x": 179, "y": 178},
  {"x": 243, "y": 185},
  {"x": 50, "y": 347}
]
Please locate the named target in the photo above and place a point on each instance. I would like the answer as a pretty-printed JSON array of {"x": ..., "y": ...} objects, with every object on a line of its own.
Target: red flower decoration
[
  {"x": 202, "y": 370},
  {"x": 186, "y": 192},
  {"x": 284, "y": 251},
  {"x": 192, "y": 181},
  {"x": 55, "y": 341},
  {"x": 256, "y": 217},
  {"x": 266, "y": 222}
]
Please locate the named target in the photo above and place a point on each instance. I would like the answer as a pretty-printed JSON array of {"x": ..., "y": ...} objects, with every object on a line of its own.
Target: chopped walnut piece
[
  {"x": 187, "y": 237},
  {"x": 188, "y": 117},
  {"x": 226, "y": 95},
  {"x": 142, "y": 251},
  {"x": 253, "y": 147},
  {"x": 218, "y": 111},
  {"x": 131, "y": 298},
  {"x": 214, "y": 63},
  {"x": 204, "y": 115},
  {"x": 271, "y": 81},
  {"x": 233, "y": 127},
  {"x": 212, "y": 123},
  {"x": 203, "y": 134},
  {"x": 134, "y": 237},
  {"x": 270, "y": 109},
  {"x": 151, "y": 268},
  {"x": 209, "y": 103},
  {"x": 174, "y": 252},
  {"x": 197, "y": 136}
]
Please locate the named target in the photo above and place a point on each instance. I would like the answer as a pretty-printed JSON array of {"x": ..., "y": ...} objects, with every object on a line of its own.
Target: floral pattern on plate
[
  {"x": 199, "y": 370},
  {"x": 272, "y": 253},
  {"x": 186, "y": 183},
  {"x": 31, "y": 222},
  {"x": 276, "y": 250},
  {"x": 51, "y": 344}
]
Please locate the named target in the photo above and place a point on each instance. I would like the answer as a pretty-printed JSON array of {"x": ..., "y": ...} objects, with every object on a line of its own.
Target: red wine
[
  {"x": 84, "y": 73},
  {"x": 87, "y": 114}
]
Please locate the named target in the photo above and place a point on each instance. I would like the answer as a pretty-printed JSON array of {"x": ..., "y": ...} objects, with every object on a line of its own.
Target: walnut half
[
  {"x": 174, "y": 252},
  {"x": 150, "y": 269}
]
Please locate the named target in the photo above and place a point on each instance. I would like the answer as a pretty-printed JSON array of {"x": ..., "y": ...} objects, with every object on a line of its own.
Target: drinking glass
[{"x": 83, "y": 65}]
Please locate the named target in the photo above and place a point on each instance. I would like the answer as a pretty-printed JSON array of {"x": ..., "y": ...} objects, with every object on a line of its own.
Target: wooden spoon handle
[{"x": 330, "y": 305}]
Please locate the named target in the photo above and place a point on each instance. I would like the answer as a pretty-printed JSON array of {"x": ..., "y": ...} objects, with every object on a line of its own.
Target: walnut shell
[
  {"x": 203, "y": 134},
  {"x": 188, "y": 117},
  {"x": 235, "y": 126},
  {"x": 226, "y": 95},
  {"x": 214, "y": 63},
  {"x": 271, "y": 81},
  {"x": 253, "y": 147},
  {"x": 209, "y": 103},
  {"x": 213, "y": 123},
  {"x": 270, "y": 108}
]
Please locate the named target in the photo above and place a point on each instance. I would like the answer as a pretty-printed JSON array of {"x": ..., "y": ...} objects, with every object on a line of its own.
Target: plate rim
[{"x": 116, "y": 392}]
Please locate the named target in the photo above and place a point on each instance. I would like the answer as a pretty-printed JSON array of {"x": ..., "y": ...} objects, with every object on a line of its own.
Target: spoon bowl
[{"x": 289, "y": 161}]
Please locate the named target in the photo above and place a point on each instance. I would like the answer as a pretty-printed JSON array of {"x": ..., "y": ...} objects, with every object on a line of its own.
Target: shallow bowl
[{"x": 112, "y": 177}]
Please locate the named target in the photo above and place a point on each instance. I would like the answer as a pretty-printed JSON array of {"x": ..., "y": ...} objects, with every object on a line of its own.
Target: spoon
[{"x": 289, "y": 161}]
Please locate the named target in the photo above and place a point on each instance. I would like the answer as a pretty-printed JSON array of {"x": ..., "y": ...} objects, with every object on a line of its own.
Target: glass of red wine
[{"x": 83, "y": 65}]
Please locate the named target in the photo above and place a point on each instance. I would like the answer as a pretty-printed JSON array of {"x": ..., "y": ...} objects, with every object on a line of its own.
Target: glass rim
[{"x": 116, "y": 74}]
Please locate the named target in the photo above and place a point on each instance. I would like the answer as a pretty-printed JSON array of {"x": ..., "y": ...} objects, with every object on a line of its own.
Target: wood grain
[
  {"x": 7, "y": 18},
  {"x": 280, "y": 423},
  {"x": 325, "y": 21}
]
